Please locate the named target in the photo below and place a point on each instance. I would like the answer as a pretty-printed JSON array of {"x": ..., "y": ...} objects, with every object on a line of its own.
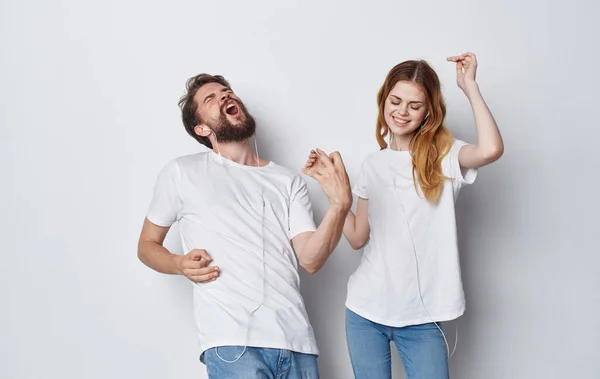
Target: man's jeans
[{"x": 227, "y": 362}]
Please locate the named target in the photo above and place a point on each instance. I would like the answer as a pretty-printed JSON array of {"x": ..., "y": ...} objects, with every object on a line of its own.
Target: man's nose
[{"x": 225, "y": 97}]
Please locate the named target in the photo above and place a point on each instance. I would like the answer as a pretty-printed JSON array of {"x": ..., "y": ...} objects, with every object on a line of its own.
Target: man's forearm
[
  {"x": 322, "y": 242},
  {"x": 158, "y": 258}
]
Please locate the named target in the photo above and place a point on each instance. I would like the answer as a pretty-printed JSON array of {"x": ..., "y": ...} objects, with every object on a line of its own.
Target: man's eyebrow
[{"x": 211, "y": 96}]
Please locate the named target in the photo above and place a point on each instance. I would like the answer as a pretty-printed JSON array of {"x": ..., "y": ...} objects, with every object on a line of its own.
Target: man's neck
[{"x": 239, "y": 152}]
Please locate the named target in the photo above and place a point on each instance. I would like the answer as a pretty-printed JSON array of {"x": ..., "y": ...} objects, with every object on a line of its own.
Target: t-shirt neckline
[{"x": 218, "y": 158}]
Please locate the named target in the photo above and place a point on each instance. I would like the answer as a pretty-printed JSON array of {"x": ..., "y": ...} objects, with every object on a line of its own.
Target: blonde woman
[{"x": 409, "y": 280}]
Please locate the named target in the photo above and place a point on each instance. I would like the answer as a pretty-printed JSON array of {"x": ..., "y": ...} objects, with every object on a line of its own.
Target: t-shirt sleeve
[
  {"x": 301, "y": 215},
  {"x": 360, "y": 187},
  {"x": 166, "y": 204},
  {"x": 461, "y": 175}
]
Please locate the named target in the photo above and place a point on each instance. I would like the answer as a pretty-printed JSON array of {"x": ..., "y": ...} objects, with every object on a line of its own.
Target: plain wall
[{"x": 88, "y": 116}]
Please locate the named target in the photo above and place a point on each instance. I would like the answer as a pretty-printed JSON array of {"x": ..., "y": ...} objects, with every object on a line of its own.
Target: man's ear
[{"x": 202, "y": 130}]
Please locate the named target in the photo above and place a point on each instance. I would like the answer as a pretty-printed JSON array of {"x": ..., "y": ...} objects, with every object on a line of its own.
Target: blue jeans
[
  {"x": 421, "y": 347},
  {"x": 234, "y": 362}
]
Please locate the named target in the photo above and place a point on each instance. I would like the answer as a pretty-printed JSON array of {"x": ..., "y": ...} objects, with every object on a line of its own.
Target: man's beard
[{"x": 225, "y": 131}]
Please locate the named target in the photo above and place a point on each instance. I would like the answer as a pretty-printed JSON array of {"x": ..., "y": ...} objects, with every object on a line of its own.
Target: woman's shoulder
[{"x": 375, "y": 157}]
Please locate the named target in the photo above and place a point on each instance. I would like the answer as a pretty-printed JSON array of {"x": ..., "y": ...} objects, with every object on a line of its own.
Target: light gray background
[{"x": 88, "y": 116}]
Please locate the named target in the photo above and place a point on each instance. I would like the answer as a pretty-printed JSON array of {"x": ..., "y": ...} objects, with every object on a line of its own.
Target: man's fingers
[
  {"x": 202, "y": 271},
  {"x": 201, "y": 275},
  {"x": 321, "y": 153},
  {"x": 196, "y": 268},
  {"x": 198, "y": 254},
  {"x": 338, "y": 162},
  {"x": 312, "y": 159},
  {"x": 317, "y": 165},
  {"x": 194, "y": 265},
  {"x": 203, "y": 278},
  {"x": 323, "y": 159},
  {"x": 312, "y": 172}
]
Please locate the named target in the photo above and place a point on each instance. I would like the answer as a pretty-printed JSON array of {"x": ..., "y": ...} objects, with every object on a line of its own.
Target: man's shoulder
[
  {"x": 177, "y": 165},
  {"x": 279, "y": 169},
  {"x": 292, "y": 179},
  {"x": 188, "y": 161},
  {"x": 192, "y": 158}
]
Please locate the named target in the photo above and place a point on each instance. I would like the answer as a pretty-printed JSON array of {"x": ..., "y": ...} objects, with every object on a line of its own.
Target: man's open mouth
[{"x": 232, "y": 109}]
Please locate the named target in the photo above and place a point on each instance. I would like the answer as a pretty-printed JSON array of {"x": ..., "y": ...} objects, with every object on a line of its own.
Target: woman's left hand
[{"x": 466, "y": 69}]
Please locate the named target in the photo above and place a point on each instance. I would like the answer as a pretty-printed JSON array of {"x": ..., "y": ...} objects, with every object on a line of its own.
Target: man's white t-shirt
[
  {"x": 245, "y": 218},
  {"x": 410, "y": 270}
]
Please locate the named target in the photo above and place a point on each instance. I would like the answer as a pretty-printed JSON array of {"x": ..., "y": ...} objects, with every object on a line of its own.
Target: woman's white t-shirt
[{"x": 410, "y": 270}]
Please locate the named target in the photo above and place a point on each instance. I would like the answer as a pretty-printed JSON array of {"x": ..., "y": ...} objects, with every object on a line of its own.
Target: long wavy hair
[{"x": 432, "y": 140}]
